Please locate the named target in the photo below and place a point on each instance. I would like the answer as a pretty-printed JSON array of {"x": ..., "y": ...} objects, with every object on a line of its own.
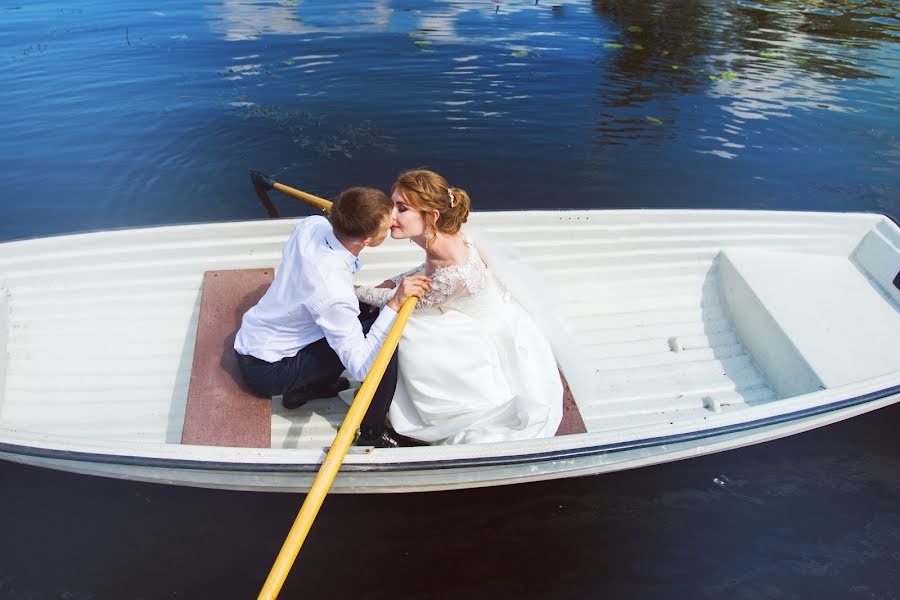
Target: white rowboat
[{"x": 706, "y": 331}]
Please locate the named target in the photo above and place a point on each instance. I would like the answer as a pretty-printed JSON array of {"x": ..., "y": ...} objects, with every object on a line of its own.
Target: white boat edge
[{"x": 284, "y": 470}]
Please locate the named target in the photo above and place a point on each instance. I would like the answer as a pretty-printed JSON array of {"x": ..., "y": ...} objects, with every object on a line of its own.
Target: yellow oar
[
  {"x": 346, "y": 434},
  {"x": 333, "y": 459},
  {"x": 263, "y": 183}
]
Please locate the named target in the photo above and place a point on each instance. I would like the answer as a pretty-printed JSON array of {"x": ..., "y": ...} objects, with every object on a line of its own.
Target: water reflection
[
  {"x": 759, "y": 60},
  {"x": 537, "y": 104},
  {"x": 752, "y": 61}
]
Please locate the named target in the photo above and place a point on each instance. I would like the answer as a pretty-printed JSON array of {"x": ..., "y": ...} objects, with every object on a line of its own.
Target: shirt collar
[{"x": 353, "y": 262}]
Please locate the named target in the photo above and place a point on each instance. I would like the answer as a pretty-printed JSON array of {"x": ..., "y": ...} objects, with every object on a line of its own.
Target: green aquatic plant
[
  {"x": 613, "y": 46},
  {"x": 637, "y": 47},
  {"x": 727, "y": 75},
  {"x": 771, "y": 54},
  {"x": 635, "y": 29},
  {"x": 654, "y": 120},
  {"x": 520, "y": 53},
  {"x": 322, "y": 134}
]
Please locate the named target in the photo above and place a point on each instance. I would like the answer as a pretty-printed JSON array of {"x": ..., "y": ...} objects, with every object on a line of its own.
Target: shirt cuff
[{"x": 382, "y": 325}]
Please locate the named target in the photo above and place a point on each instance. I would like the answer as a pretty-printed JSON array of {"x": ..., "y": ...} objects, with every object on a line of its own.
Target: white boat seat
[
  {"x": 804, "y": 336},
  {"x": 220, "y": 411}
]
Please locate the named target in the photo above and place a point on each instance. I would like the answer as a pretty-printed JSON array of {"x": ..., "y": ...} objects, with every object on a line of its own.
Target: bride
[{"x": 474, "y": 367}]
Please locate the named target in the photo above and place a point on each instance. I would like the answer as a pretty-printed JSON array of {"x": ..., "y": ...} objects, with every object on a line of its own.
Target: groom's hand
[{"x": 412, "y": 286}]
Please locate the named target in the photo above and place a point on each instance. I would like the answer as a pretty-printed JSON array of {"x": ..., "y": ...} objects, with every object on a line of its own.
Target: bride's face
[{"x": 407, "y": 222}]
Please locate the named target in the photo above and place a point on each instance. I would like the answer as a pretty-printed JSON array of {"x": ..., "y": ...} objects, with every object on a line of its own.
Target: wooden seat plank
[{"x": 220, "y": 410}]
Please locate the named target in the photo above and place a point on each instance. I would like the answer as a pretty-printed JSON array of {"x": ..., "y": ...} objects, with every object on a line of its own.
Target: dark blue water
[{"x": 136, "y": 113}]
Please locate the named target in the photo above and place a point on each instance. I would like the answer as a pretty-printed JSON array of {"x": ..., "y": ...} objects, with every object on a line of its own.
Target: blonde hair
[{"x": 426, "y": 191}]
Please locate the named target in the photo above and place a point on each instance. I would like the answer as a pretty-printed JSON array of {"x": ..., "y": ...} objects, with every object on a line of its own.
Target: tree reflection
[{"x": 763, "y": 58}]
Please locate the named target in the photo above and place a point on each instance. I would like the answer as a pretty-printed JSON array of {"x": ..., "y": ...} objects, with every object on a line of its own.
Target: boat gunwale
[
  {"x": 560, "y": 213},
  {"x": 452, "y": 463}
]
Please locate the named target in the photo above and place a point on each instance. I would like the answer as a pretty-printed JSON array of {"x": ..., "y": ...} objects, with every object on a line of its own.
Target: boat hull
[
  {"x": 474, "y": 472},
  {"x": 705, "y": 331}
]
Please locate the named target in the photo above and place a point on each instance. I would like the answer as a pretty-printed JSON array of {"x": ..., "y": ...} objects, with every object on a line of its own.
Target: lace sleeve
[
  {"x": 374, "y": 296},
  {"x": 379, "y": 296},
  {"x": 450, "y": 282},
  {"x": 446, "y": 284},
  {"x": 420, "y": 270}
]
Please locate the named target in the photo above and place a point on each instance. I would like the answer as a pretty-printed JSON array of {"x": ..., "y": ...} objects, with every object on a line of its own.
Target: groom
[{"x": 307, "y": 328}]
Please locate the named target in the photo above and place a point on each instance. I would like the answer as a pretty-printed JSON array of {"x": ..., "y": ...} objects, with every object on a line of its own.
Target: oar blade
[{"x": 262, "y": 183}]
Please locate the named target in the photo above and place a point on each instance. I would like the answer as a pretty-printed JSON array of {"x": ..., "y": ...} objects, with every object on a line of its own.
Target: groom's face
[{"x": 382, "y": 232}]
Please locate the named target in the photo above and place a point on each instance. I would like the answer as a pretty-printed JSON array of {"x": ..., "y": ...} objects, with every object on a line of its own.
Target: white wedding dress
[{"x": 473, "y": 365}]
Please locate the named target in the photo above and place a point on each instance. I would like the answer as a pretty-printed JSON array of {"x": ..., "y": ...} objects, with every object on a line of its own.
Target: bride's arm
[
  {"x": 446, "y": 284},
  {"x": 381, "y": 294}
]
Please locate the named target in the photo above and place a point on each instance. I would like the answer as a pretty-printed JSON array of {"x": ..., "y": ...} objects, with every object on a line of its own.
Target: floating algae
[{"x": 322, "y": 133}]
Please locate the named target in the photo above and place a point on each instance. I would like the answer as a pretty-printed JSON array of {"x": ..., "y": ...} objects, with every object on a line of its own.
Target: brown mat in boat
[
  {"x": 220, "y": 411},
  {"x": 571, "y": 421}
]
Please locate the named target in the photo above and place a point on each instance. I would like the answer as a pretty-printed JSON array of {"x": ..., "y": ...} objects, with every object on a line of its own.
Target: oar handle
[
  {"x": 261, "y": 181},
  {"x": 333, "y": 459}
]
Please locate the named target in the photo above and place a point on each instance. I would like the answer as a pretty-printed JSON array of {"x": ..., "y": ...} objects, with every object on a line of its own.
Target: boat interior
[{"x": 678, "y": 314}]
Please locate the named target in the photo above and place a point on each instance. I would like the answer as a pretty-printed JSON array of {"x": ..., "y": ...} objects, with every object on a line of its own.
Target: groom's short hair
[{"x": 359, "y": 212}]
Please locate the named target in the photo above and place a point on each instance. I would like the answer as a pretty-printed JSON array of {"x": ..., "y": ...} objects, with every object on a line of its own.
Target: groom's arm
[
  {"x": 338, "y": 317},
  {"x": 339, "y": 321}
]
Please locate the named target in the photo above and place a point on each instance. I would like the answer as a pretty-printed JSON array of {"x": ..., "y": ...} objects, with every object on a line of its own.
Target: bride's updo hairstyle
[{"x": 426, "y": 191}]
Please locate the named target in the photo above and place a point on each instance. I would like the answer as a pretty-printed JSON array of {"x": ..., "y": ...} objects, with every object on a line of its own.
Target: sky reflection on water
[{"x": 139, "y": 114}]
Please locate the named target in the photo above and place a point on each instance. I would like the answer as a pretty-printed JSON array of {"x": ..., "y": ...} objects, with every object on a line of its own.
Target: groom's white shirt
[{"x": 312, "y": 297}]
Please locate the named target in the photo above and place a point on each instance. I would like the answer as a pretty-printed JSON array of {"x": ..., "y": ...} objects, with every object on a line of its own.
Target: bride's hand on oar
[{"x": 412, "y": 286}]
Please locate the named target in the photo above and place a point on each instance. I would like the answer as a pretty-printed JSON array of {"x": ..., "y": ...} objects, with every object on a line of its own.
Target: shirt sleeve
[{"x": 339, "y": 320}]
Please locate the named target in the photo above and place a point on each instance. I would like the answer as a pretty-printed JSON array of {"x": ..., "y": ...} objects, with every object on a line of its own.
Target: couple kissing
[{"x": 473, "y": 365}]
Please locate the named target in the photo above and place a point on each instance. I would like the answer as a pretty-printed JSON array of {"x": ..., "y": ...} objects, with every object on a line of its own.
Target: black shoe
[
  {"x": 380, "y": 440},
  {"x": 297, "y": 398},
  {"x": 387, "y": 438},
  {"x": 407, "y": 442}
]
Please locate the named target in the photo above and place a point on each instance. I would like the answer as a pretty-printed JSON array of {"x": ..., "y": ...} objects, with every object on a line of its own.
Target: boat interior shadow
[
  {"x": 178, "y": 403},
  {"x": 306, "y": 423},
  {"x": 744, "y": 382}
]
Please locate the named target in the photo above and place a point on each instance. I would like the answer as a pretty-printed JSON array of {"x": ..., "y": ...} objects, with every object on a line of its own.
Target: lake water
[{"x": 136, "y": 113}]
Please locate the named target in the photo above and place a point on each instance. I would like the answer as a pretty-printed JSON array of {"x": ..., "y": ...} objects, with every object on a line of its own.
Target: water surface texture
[{"x": 135, "y": 113}]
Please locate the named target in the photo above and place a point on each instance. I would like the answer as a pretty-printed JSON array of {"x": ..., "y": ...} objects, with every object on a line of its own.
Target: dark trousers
[{"x": 314, "y": 366}]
